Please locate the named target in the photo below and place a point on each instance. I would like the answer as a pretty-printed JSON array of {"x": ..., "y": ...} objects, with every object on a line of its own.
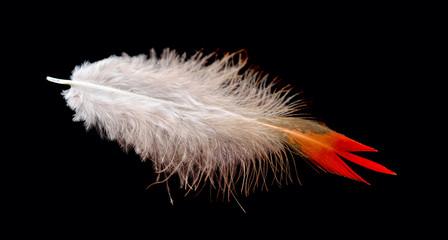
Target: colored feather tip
[{"x": 324, "y": 149}]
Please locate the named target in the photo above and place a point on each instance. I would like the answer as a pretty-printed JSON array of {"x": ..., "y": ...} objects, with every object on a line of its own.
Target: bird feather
[{"x": 205, "y": 121}]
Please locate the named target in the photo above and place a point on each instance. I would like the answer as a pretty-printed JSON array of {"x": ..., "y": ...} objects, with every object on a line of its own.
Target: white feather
[
  {"x": 204, "y": 121},
  {"x": 190, "y": 117}
]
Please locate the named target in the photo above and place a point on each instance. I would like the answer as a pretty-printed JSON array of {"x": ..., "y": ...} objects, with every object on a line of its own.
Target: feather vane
[{"x": 205, "y": 121}]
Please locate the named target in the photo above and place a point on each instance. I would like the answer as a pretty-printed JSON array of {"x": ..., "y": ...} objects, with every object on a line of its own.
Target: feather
[{"x": 205, "y": 121}]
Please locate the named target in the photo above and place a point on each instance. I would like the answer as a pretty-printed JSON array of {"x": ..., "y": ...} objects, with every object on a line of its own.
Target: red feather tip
[{"x": 326, "y": 149}]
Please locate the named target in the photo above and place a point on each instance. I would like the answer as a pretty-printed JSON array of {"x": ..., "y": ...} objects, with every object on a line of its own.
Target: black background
[{"x": 348, "y": 61}]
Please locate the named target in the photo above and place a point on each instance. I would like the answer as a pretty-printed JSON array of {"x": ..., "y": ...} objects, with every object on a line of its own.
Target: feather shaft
[{"x": 114, "y": 90}]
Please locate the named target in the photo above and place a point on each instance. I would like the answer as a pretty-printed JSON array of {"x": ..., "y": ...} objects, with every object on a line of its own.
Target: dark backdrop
[{"x": 346, "y": 60}]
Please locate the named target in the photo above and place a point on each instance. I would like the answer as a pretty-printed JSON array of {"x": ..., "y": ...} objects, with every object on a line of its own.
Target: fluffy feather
[{"x": 204, "y": 121}]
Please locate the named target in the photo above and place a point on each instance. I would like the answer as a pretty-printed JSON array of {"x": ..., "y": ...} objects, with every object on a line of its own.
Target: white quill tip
[{"x": 59, "y": 81}]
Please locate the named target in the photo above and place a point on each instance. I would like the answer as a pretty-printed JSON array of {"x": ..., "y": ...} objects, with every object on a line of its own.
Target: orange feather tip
[
  {"x": 343, "y": 143},
  {"x": 365, "y": 162},
  {"x": 326, "y": 149}
]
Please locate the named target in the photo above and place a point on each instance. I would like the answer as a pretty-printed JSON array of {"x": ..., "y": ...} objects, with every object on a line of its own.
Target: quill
[{"x": 205, "y": 121}]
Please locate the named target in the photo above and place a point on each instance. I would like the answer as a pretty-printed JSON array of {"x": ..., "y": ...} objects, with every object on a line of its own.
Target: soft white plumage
[{"x": 204, "y": 121}]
